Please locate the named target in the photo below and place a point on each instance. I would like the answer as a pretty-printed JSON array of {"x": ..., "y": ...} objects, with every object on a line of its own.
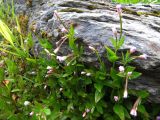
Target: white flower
[
  {"x": 31, "y": 113},
  {"x": 133, "y": 112},
  {"x": 26, "y": 103},
  {"x": 121, "y": 68},
  {"x": 88, "y": 74},
  {"x": 49, "y": 67},
  {"x": 84, "y": 114},
  {"x": 125, "y": 94},
  {"x": 114, "y": 30},
  {"x": 144, "y": 56},
  {"x": 116, "y": 98},
  {"x": 92, "y": 48},
  {"x": 129, "y": 73},
  {"x": 82, "y": 73},
  {"x": 61, "y": 58},
  {"x": 45, "y": 87},
  {"x": 61, "y": 89},
  {"x": 132, "y": 49}
]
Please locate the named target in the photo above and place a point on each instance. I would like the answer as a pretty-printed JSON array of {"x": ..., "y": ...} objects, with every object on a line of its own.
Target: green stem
[{"x": 120, "y": 16}]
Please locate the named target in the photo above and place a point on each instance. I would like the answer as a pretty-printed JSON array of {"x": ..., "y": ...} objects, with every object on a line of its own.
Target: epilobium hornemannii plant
[{"x": 54, "y": 87}]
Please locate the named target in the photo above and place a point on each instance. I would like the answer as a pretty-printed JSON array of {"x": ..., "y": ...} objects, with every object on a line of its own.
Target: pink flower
[
  {"x": 121, "y": 68},
  {"x": 119, "y": 9},
  {"x": 114, "y": 30},
  {"x": 133, "y": 112},
  {"x": 132, "y": 49},
  {"x": 134, "y": 108},
  {"x": 64, "y": 30},
  {"x": 144, "y": 56},
  {"x": 116, "y": 98},
  {"x": 31, "y": 113},
  {"x": 87, "y": 110}
]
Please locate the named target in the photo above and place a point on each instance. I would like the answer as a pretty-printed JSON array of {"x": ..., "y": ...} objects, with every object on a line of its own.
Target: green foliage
[{"x": 136, "y": 1}]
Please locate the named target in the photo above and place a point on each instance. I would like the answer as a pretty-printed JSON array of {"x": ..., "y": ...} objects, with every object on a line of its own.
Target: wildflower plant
[{"x": 51, "y": 86}]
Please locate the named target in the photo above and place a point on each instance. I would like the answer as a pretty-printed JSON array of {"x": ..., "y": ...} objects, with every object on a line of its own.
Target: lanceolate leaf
[
  {"x": 98, "y": 96},
  {"x": 118, "y": 109}
]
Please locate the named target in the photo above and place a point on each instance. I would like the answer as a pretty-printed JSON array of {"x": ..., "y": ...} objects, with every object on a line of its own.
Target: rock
[{"x": 94, "y": 20}]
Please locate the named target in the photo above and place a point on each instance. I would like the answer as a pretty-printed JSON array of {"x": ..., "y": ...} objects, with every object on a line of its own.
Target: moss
[
  {"x": 129, "y": 11},
  {"x": 71, "y": 10},
  {"x": 153, "y": 13},
  {"x": 91, "y": 7}
]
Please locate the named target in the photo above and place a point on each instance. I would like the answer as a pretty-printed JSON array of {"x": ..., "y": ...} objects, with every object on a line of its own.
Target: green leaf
[
  {"x": 112, "y": 57},
  {"x": 119, "y": 110},
  {"x": 130, "y": 68},
  {"x": 12, "y": 67},
  {"x": 142, "y": 110},
  {"x": 126, "y": 113},
  {"x": 45, "y": 44},
  {"x": 47, "y": 111},
  {"x": 110, "y": 52},
  {"x": 1, "y": 74},
  {"x": 99, "y": 109},
  {"x": 15, "y": 90},
  {"x": 135, "y": 75},
  {"x": 71, "y": 38},
  {"x": 98, "y": 96},
  {"x": 143, "y": 93},
  {"x": 98, "y": 86},
  {"x": 113, "y": 74},
  {"x": 120, "y": 42},
  {"x": 113, "y": 42}
]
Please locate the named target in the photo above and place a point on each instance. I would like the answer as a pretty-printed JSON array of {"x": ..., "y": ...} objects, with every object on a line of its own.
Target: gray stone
[{"x": 94, "y": 20}]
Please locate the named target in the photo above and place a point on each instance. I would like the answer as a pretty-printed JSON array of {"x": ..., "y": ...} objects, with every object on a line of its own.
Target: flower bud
[
  {"x": 88, "y": 74},
  {"x": 129, "y": 74},
  {"x": 92, "y": 48},
  {"x": 114, "y": 30},
  {"x": 125, "y": 94},
  {"x": 84, "y": 114},
  {"x": 82, "y": 73},
  {"x": 116, "y": 98},
  {"x": 132, "y": 49},
  {"x": 119, "y": 9},
  {"x": 56, "y": 14},
  {"x": 87, "y": 110},
  {"x": 56, "y": 50},
  {"x": 144, "y": 56},
  {"x": 64, "y": 30}
]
